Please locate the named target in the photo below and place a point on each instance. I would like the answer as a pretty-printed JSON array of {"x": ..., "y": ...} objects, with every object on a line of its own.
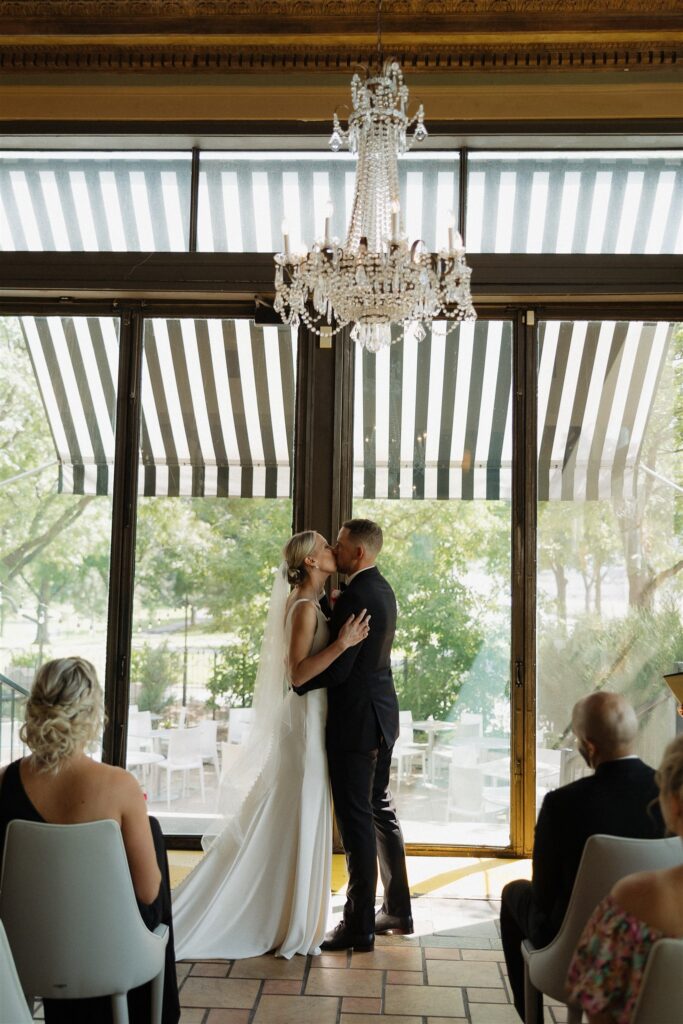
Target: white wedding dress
[{"x": 264, "y": 883}]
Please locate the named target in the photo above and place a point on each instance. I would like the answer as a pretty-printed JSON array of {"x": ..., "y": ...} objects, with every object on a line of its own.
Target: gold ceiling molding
[{"x": 199, "y": 36}]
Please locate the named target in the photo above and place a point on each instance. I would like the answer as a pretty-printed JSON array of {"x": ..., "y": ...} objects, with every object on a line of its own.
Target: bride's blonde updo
[
  {"x": 295, "y": 551},
  {"x": 63, "y": 711}
]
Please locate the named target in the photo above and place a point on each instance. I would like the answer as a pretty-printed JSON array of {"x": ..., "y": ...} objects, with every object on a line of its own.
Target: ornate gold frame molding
[{"x": 243, "y": 36}]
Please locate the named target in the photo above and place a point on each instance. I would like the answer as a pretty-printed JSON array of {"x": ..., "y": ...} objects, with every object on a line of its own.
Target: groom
[{"x": 362, "y": 727}]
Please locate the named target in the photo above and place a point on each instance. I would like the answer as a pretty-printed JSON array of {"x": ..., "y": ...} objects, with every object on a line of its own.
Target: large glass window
[
  {"x": 432, "y": 452},
  {"x": 58, "y": 378},
  {"x": 95, "y": 201},
  {"x": 215, "y": 510},
  {"x": 590, "y": 202},
  {"x": 610, "y": 526},
  {"x": 244, "y": 197}
]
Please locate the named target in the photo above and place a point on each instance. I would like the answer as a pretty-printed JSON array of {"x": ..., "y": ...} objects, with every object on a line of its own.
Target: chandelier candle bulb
[
  {"x": 285, "y": 237},
  {"x": 329, "y": 210},
  {"x": 395, "y": 220}
]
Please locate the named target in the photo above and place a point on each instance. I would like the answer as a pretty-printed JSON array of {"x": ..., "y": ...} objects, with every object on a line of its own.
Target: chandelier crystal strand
[{"x": 378, "y": 277}]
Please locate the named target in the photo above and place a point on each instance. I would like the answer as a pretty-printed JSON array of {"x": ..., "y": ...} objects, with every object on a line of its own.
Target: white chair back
[
  {"x": 239, "y": 723},
  {"x": 13, "y": 1006},
  {"x": 660, "y": 1000},
  {"x": 208, "y": 731},
  {"x": 185, "y": 746},
  {"x": 68, "y": 905},
  {"x": 604, "y": 861}
]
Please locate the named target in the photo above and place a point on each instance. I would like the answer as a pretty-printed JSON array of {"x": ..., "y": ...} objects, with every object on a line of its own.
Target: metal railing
[{"x": 12, "y": 698}]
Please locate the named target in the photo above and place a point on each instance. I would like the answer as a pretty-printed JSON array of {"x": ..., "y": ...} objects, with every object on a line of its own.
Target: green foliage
[
  {"x": 231, "y": 683},
  {"x": 154, "y": 669},
  {"x": 628, "y": 655}
]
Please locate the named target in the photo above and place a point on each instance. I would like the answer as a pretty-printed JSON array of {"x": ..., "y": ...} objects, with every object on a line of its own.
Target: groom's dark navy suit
[{"x": 362, "y": 727}]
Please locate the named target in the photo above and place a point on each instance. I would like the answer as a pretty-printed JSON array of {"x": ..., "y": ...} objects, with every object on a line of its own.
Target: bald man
[{"x": 616, "y": 800}]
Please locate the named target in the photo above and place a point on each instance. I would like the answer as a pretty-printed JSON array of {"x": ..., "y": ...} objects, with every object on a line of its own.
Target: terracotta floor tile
[
  {"x": 228, "y": 1017},
  {"x": 454, "y": 972},
  {"x": 297, "y": 1010},
  {"x": 273, "y": 987},
  {"x": 445, "y": 1020},
  {"x": 397, "y": 940},
  {"x": 191, "y": 1016},
  {"x": 182, "y": 971},
  {"x": 420, "y": 1000},
  {"x": 489, "y": 1013},
  {"x": 405, "y": 978},
  {"x": 443, "y": 953},
  {"x": 219, "y": 992},
  {"x": 207, "y": 970},
  {"x": 323, "y": 981},
  {"x": 483, "y": 954},
  {"x": 388, "y": 959},
  {"x": 357, "y": 1004},
  {"x": 367, "y": 1018},
  {"x": 487, "y": 995},
  {"x": 335, "y": 960},
  {"x": 269, "y": 966}
]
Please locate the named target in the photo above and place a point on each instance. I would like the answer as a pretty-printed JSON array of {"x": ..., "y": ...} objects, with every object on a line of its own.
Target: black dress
[{"x": 14, "y": 803}]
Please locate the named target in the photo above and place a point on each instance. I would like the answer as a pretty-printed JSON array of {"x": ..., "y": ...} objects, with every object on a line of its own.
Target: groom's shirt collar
[{"x": 352, "y": 577}]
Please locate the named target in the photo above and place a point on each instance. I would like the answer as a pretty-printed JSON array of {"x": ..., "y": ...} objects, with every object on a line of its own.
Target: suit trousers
[
  {"x": 515, "y": 925},
  {"x": 369, "y": 827}
]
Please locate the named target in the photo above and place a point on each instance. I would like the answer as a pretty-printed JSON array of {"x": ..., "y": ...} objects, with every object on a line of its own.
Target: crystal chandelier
[{"x": 378, "y": 277}]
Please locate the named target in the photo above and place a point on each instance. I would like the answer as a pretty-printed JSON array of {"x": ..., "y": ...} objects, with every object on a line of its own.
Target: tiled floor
[{"x": 451, "y": 970}]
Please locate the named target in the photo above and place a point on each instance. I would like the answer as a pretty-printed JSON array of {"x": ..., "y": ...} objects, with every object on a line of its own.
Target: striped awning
[
  {"x": 98, "y": 202},
  {"x": 433, "y": 418},
  {"x": 601, "y": 202},
  {"x": 244, "y": 197},
  {"x": 217, "y": 404}
]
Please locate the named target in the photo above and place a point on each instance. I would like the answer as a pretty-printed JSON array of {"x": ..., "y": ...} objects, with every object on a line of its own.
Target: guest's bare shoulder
[{"x": 655, "y": 897}]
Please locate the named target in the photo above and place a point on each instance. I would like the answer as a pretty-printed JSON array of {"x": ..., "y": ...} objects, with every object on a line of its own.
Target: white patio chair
[
  {"x": 604, "y": 861},
  {"x": 407, "y": 753},
  {"x": 13, "y": 1006},
  {"x": 72, "y": 921},
  {"x": 239, "y": 723},
  {"x": 661, "y": 992},
  {"x": 184, "y": 755},
  {"x": 209, "y": 737},
  {"x": 140, "y": 735},
  {"x": 469, "y": 799}
]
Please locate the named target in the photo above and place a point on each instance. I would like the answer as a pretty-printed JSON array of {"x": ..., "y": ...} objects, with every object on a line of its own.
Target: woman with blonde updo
[
  {"x": 606, "y": 972},
  {"x": 265, "y": 882},
  {"x": 59, "y": 783}
]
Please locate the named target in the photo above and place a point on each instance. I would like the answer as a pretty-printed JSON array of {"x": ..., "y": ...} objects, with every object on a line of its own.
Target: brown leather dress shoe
[
  {"x": 391, "y": 923},
  {"x": 342, "y": 937}
]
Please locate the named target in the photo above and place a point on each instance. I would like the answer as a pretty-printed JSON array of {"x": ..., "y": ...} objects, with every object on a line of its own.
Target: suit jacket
[
  {"x": 615, "y": 801},
  {"x": 361, "y": 697}
]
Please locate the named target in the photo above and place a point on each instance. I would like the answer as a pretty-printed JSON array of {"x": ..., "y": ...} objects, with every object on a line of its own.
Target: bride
[{"x": 264, "y": 883}]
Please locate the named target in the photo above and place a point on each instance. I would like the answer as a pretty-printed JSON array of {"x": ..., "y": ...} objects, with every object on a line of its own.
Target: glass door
[{"x": 432, "y": 465}]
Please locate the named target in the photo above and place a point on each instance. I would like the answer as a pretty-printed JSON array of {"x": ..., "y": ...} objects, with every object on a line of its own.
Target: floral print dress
[{"x": 607, "y": 968}]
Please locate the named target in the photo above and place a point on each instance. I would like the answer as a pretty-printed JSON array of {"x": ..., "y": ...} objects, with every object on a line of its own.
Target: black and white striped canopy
[
  {"x": 97, "y": 202},
  {"x": 581, "y": 202},
  {"x": 217, "y": 404},
  {"x": 432, "y": 419}
]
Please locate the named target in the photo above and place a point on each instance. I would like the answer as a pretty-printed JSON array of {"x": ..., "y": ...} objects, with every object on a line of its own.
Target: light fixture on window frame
[{"x": 378, "y": 277}]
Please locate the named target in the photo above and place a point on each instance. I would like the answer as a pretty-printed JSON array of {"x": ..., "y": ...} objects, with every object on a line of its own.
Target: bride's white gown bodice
[{"x": 270, "y": 889}]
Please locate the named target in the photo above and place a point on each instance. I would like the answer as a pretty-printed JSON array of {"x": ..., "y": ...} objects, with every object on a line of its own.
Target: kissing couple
[{"x": 325, "y": 717}]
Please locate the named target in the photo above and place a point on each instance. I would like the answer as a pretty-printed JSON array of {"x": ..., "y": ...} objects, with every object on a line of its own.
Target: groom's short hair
[{"x": 367, "y": 533}]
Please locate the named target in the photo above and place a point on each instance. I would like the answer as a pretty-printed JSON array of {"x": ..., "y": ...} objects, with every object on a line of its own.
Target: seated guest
[
  {"x": 607, "y": 969},
  {"x": 60, "y": 784},
  {"x": 615, "y": 801}
]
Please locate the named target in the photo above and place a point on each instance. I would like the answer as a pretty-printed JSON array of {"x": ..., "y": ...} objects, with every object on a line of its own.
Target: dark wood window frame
[{"x": 133, "y": 286}]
